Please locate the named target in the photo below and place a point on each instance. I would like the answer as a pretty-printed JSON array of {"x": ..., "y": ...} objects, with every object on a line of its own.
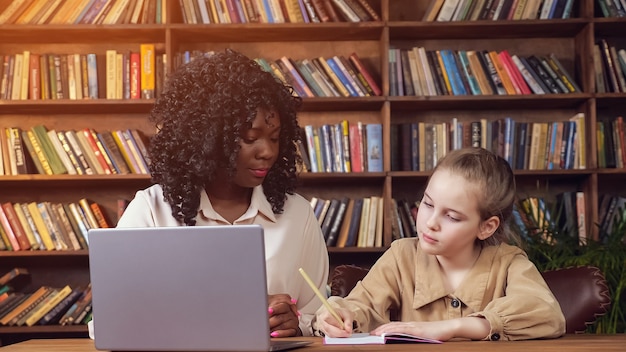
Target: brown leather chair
[{"x": 581, "y": 291}]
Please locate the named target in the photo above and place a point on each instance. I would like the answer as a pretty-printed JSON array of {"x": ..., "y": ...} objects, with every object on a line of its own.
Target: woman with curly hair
[{"x": 225, "y": 153}]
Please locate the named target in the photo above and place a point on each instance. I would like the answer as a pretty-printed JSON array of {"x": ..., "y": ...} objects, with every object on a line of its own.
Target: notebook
[
  {"x": 385, "y": 338},
  {"x": 195, "y": 288}
]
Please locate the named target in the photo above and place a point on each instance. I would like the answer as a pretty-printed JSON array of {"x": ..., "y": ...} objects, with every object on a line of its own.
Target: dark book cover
[
  {"x": 534, "y": 74},
  {"x": 556, "y": 65},
  {"x": 329, "y": 217},
  {"x": 440, "y": 85},
  {"x": 355, "y": 223},
  {"x": 520, "y": 149},
  {"x": 560, "y": 84},
  {"x": 407, "y": 80},
  {"x": 609, "y": 142},
  {"x": 345, "y": 224},
  {"x": 394, "y": 144},
  {"x": 408, "y": 224},
  {"x": 338, "y": 219},
  {"x": 536, "y": 66},
  {"x": 11, "y": 302}
]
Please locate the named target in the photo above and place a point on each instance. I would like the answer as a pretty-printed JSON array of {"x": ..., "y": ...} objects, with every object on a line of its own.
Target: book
[
  {"x": 15, "y": 277},
  {"x": 41, "y": 227},
  {"x": 13, "y": 316},
  {"x": 338, "y": 219},
  {"x": 15, "y": 225},
  {"x": 5, "y": 227},
  {"x": 55, "y": 313},
  {"x": 48, "y": 305},
  {"x": 147, "y": 53},
  {"x": 374, "y": 147},
  {"x": 30, "y": 234},
  {"x": 385, "y": 338},
  {"x": 41, "y": 135}
]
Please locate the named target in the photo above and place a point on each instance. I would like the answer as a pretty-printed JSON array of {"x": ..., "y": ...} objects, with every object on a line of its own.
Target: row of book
[
  {"x": 525, "y": 145},
  {"x": 539, "y": 216},
  {"x": 316, "y": 77},
  {"x": 107, "y": 12},
  {"x": 46, "y": 305},
  {"x": 612, "y": 8},
  {"x": 403, "y": 216},
  {"x": 127, "y": 75},
  {"x": 611, "y": 143},
  {"x": 324, "y": 77},
  {"x": 611, "y": 213},
  {"x": 473, "y": 10},
  {"x": 350, "y": 222},
  {"x": 609, "y": 67},
  {"x": 84, "y": 152},
  {"x": 343, "y": 147},
  {"x": 49, "y": 226},
  {"x": 422, "y": 72},
  {"x": 276, "y": 11}
]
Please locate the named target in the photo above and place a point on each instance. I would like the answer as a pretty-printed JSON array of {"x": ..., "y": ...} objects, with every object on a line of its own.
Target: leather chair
[{"x": 581, "y": 291}]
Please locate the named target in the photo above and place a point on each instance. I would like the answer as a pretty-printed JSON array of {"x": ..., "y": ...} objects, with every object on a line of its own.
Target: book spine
[
  {"x": 54, "y": 314},
  {"x": 15, "y": 225},
  {"x": 356, "y": 61},
  {"x": 147, "y": 53}
]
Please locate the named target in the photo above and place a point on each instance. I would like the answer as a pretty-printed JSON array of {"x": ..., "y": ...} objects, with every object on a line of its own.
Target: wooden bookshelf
[{"x": 570, "y": 39}]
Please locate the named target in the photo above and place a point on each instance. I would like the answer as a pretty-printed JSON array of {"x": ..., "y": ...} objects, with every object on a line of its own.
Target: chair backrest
[{"x": 581, "y": 291}]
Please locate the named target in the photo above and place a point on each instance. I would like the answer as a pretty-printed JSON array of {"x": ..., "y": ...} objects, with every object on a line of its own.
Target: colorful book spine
[{"x": 147, "y": 52}]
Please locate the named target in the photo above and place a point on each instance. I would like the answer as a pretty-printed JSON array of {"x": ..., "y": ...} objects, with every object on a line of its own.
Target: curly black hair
[{"x": 205, "y": 107}]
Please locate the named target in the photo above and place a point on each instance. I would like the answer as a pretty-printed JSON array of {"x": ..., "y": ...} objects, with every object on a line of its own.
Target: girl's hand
[
  {"x": 331, "y": 327},
  {"x": 283, "y": 316},
  {"x": 439, "y": 330}
]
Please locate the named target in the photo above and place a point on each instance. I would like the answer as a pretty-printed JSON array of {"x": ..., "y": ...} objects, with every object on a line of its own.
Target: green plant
[{"x": 553, "y": 245}]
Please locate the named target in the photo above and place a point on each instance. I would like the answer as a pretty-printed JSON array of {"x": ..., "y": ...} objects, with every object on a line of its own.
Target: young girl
[
  {"x": 459, "y": 278},
  {"x": 225, "y": 153}
]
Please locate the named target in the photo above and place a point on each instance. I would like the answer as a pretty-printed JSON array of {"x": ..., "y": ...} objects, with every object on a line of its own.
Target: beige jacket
[{"x": 504, "y": 287}]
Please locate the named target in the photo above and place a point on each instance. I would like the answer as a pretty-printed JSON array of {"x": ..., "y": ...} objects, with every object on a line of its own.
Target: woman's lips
[{"x": 259, "y": 172}]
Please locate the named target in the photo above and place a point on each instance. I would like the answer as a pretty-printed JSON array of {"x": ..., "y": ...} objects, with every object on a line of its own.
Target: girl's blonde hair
[{"x": 494, "y": 186}]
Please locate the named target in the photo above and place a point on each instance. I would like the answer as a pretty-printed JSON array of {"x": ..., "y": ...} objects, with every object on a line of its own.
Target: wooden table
[{"x": 583, "y": 342}]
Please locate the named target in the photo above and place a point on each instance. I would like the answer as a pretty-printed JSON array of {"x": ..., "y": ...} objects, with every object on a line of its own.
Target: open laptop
[{"x": 196, "y": 288}]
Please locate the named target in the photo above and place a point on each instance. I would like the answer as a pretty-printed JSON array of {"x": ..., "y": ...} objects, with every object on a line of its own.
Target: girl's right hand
[{"x": 331, "y": 327}]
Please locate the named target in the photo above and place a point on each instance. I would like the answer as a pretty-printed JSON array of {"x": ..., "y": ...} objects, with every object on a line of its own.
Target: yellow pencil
[{"x": 321, "y": 296}]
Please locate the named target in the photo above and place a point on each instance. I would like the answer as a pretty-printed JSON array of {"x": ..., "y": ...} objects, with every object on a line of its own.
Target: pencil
[{"x": 321, "y": 296}]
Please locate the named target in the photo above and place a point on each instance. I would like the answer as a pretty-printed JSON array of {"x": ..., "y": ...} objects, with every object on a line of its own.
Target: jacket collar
[
  {"x": 258, "y": 205},
  {"x": 429, "y": 285}
]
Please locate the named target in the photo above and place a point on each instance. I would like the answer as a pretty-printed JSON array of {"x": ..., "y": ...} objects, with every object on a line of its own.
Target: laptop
[{"x": 196, "y": 288}]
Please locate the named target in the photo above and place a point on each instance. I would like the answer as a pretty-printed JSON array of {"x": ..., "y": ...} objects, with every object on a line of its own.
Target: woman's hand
[
  {"x": 283, "y": 315},
  {"x": 331, "y": 327}
]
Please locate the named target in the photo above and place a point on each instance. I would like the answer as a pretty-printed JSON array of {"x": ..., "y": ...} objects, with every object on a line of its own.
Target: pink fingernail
[
  {"x": 299, "y": 314},
  {"x": 274, "y": 334},
  {"x": 270, "y": 310},
  {"x": 294, "y": 301}
]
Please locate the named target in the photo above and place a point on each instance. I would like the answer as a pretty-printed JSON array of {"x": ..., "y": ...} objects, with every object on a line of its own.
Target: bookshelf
[{"x": 401, "y": 26}]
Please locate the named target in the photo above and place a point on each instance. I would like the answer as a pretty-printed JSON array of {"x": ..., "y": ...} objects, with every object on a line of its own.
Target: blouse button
[
  {"x": 455, "y": 303},
  {"x": 495, "y": 336}
]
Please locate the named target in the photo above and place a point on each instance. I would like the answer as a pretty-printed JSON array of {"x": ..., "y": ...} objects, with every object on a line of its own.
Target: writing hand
[
  {"x": 331, "y": 327},
  {"x": 283, "y": 316}
]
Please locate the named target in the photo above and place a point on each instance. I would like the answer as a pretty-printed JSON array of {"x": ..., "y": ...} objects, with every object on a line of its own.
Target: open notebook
[
  {"x": 188, "y": 288},
  {"x": 367, "y": 339}
]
